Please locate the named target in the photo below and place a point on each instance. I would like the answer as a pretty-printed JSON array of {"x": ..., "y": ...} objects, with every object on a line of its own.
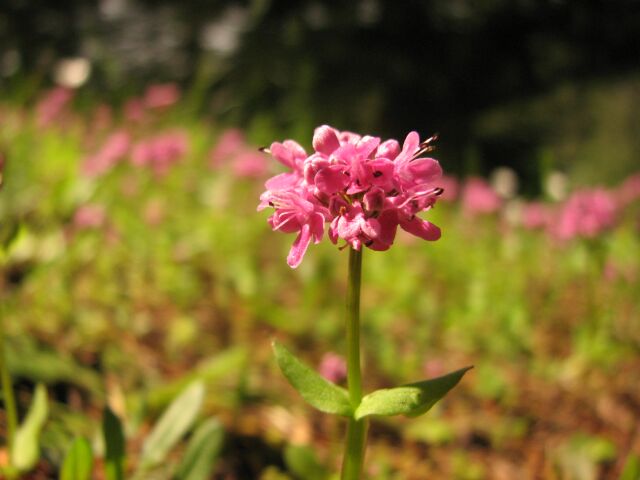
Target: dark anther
[
  {"x": 369, "y": 243},
  {"x": 264, "y": 150},
  {"x": 377, "y": 173},
  {"x": 438, "y": 191},
  {"x": 271, "y": 204},
  {"x": 429, "y": 140}
]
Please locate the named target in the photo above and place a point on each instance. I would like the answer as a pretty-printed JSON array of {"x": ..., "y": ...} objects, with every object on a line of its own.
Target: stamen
[
  {"x": 426, "y": 146},
  {"x": 264, "y": 150}
]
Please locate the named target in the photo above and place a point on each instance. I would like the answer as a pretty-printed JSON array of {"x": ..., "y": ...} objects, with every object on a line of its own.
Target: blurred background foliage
[
  {"x": 535, "y": 85},
  {"x": 124, "y": 281}
]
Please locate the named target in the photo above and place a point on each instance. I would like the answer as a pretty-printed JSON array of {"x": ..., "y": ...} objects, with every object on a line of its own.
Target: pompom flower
[{"x": 364, "y": 189}]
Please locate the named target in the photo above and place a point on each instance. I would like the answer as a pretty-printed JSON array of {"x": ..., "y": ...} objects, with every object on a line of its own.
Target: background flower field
[{"x": 134, "y": 263}]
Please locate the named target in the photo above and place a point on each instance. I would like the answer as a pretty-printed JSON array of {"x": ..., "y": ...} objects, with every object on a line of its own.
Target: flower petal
[
  {"x": 325, "y": 140},
  {"x": 421, "y": 228},
  {"x": 331, "y": 179},
  {"x": 299, "y": 247},
  {"x": 424, "y": 170}
]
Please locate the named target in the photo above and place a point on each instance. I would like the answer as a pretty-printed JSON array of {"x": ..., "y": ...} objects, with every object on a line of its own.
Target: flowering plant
[{"x": 364, "y": 188}]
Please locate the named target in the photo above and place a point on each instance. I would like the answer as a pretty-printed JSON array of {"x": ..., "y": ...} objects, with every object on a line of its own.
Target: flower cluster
[
  {"x": 362, "y": 187},
  {"x": 233, "y": 150},
  {"x": 586, "y": 214},
  {"x": 160, "y": 152},
  {"x": 114, "y": 149}
]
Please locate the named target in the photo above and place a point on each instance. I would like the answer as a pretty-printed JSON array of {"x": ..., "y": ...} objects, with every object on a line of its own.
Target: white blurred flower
[
  {"x": 223, "y": 34},
  {"x": 556, "y": 185},
  {"x": 504, "y": 181},
  {"x": 72, "y": 72}
]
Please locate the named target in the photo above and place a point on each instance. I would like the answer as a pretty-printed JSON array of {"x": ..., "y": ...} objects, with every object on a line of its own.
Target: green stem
[
  {"x": 7, "y": 389},
  {"x": 353, "y": 460}
]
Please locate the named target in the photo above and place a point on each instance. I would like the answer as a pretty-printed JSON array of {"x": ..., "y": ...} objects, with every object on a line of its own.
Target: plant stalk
[{"x": 353, "y": 460}]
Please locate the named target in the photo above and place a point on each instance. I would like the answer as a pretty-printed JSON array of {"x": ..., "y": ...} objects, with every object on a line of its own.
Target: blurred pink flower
[
  {"x": 536, "y": 215},
  {"x": 134, "y": 110},
  {"x": 232, "y": 149},
  {"x": 160, "y": 152},
  {"x": 333, "y": 367},
  {"x": 52, "y": 105},
  {"x": 161, "y": 95},
  {"x": 114, "y": 149},
  {"x": 451, "y": 188},
  {"x": 250, "y": 164},
  {"x": 230, "y": 142},
  {"x": 629, "y": 191},
  {"x": 479, "y": 197},
  {"x": 89, "y": 216},
  {"x": 586, "y": 213}
]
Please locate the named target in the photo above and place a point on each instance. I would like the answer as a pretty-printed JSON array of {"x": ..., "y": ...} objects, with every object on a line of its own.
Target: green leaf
[
  {"x": 315, "y": 389},
  {"x": 631, "y": 469},
  {"x": 26, "y": 448},
  {"x": 172, "y": 425},
  {"x": 412, "y": 400},
  {"x": 202, "y": 452},
  {"x": 78, "y": 463},
  {"x": 302, "y": 462},
  {"x": 114, "y": 445}
]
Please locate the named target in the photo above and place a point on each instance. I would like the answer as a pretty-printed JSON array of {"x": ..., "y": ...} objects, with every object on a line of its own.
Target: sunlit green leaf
[
  {"x": 202, "y": 452},
  {"x": 412, "y": 400},
  {"x": 631, "y": 469},
  {"x": 315, "y": 389},
  {"x": 78, "y": 463},
  {"x": 172, "y": 426},
  {"x": 26, "y": 448}
]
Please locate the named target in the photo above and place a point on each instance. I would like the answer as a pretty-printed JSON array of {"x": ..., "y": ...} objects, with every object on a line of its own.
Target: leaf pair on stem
[{"x": 411, "y": 400}]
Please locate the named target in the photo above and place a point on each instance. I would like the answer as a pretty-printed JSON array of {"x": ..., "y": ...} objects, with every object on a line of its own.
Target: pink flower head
[
  {"x": 250, "y": 164},
  {"x": 161, "y": 96},
  {"x": 451, "y": 187},
  {"x": 479, "y": 197},
  {"x": 363, "y": 187},
  {"x": 52, "y": 105},
  {"x": 587, "y": 213},
  {"x": 333, "y": 367},
  {"x": 89, "y": 216},
  {"x": 232, "y": 148},
  {"x": 160, "y": 152},
  {"x": 230, "y": 142},
  {"x": 629, "y": 191},
  {"x": 114, "y": 149},
  {"x": 536, "y": 215},
  {"x": 134, "y": 110},
  {"x": 295, "y": 213}
]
